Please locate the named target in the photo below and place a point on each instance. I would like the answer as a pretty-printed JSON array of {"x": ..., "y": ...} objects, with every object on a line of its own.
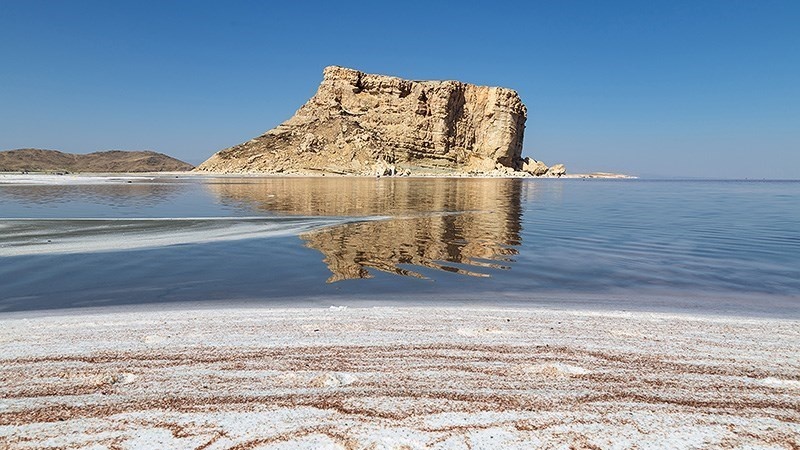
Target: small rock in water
[
  {"x": 533, "y": 167},
  {"x": 556, "y": 170}
]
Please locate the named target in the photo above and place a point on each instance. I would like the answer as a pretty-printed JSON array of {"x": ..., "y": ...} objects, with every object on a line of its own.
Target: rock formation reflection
[{"x": 466, "y": 226}]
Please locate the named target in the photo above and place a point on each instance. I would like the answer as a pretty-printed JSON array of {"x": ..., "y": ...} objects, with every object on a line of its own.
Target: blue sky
[{"x": 698, "y": 88}]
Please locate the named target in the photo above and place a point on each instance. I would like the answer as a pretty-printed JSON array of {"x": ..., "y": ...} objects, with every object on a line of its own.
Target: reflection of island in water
[{"x": 457, "y": 225}]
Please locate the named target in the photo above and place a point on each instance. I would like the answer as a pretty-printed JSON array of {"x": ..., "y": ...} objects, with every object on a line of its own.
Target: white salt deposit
[
  {"x": 359, "y": 378},
  {"x": 87, "y": 179},
  {"x": 89, "y": 235}
]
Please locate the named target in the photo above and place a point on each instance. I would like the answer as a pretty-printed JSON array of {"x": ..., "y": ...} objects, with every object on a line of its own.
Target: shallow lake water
[{"x": 712, "y": 245}]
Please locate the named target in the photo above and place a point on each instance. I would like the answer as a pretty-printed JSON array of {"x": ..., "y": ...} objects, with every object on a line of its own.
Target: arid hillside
[{"x": 31, "y": 159}]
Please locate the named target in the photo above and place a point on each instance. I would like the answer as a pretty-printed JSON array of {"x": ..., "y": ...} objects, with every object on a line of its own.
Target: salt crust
[{"x": 398, "y": 378}]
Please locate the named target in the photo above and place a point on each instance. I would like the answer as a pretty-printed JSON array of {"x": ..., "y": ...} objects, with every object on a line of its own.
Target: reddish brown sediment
[{"x": 424, "y": 377}]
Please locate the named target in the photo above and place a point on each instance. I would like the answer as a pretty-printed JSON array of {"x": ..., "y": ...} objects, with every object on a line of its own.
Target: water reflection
[
  {"x": 466, "y": 226},
  {"x": 127, "y": 195}
]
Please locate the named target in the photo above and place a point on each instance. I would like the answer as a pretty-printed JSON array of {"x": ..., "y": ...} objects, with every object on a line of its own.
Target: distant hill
[{"x": 37, "y": 160}]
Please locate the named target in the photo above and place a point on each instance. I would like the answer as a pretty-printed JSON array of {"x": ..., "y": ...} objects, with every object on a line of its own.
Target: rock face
[
  {"x": 32, "y": 159},
  {"x": 365, "y": 124}
]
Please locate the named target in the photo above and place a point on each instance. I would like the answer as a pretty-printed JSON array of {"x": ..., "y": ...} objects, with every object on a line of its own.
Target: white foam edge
[{"x": 240, "y": 229}]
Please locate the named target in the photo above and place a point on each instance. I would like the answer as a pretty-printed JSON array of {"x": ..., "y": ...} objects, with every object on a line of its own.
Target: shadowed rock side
[
  {"x": 31, "y": 160},
  {"x": 360, "y": 123},
  {"x": 470, "y": 223}
]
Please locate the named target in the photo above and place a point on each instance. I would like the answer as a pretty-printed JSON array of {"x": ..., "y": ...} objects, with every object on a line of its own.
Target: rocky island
[{"x": 365, "y": 124}]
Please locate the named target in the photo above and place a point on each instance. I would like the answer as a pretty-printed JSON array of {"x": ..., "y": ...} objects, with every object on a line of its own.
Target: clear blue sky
[{"x": 671, "y": 88}]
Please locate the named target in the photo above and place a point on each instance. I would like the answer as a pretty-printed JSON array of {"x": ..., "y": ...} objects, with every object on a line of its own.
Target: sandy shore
[{"x": 404, "y": 378}]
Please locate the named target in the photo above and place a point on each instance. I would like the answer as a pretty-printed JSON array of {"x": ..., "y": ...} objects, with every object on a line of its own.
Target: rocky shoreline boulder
[
  {"x": 534, "y": 167},
  {"x": 556, "y": 170},
  {"x": 540, "y": 169}
]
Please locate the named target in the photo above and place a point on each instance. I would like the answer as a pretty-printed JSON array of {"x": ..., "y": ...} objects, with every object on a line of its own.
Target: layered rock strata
[{"x": 365, "y": 124}]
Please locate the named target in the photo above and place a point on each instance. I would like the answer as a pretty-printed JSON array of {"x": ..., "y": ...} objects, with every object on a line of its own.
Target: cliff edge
[{"x": 365, "y": 124}]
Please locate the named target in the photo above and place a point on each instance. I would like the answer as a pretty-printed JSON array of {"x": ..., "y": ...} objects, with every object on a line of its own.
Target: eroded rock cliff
[{"x": 360, "y": 123}]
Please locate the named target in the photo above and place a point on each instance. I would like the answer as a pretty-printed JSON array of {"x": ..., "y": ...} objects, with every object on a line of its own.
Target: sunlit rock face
[
  {"x": 457, "y": 225},
  {"x": 357, "y": 123}
]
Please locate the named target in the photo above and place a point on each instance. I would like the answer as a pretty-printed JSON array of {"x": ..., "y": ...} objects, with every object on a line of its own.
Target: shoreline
[
  {"x": 211, "y": 175},
  {"x": 419, "y": 377},
  {"x": 740, "y": 306},
  {"x": 6, "y": 177}
]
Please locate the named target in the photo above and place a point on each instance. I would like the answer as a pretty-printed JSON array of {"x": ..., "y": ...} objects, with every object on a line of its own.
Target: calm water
[{"x": 690, "y": 244}]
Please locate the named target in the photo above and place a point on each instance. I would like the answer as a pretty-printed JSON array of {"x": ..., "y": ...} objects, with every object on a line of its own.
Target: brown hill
[{"x": 32, "y": 159}]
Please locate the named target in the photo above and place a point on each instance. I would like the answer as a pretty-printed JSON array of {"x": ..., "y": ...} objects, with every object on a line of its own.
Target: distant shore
[
  {"x": 398, "y": 377},
  {"x": 53, "y": 178}
]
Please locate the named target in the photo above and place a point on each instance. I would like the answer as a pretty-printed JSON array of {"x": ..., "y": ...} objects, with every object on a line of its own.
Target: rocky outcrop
[
  {"x": 539, "y": 168},
  {"x": 365, "y": 124},
  {"x": 534, "y": 167},
  {"x": 556, "y": 170},
  {"x": 38, "y": 160}
]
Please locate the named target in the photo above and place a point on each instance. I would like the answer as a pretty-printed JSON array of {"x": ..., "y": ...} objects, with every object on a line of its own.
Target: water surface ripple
[{"x": 297, "y": 239}]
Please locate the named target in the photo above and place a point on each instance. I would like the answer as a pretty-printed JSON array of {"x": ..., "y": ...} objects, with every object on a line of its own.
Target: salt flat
[
  {"x": 406, "y": 377},
  {"x": 78, "y": 179}
]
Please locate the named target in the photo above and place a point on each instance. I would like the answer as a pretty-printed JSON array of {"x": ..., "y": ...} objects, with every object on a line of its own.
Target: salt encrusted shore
[
  {"x": 104, "y": 178},
  {"x": 403, "y": 378}
]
